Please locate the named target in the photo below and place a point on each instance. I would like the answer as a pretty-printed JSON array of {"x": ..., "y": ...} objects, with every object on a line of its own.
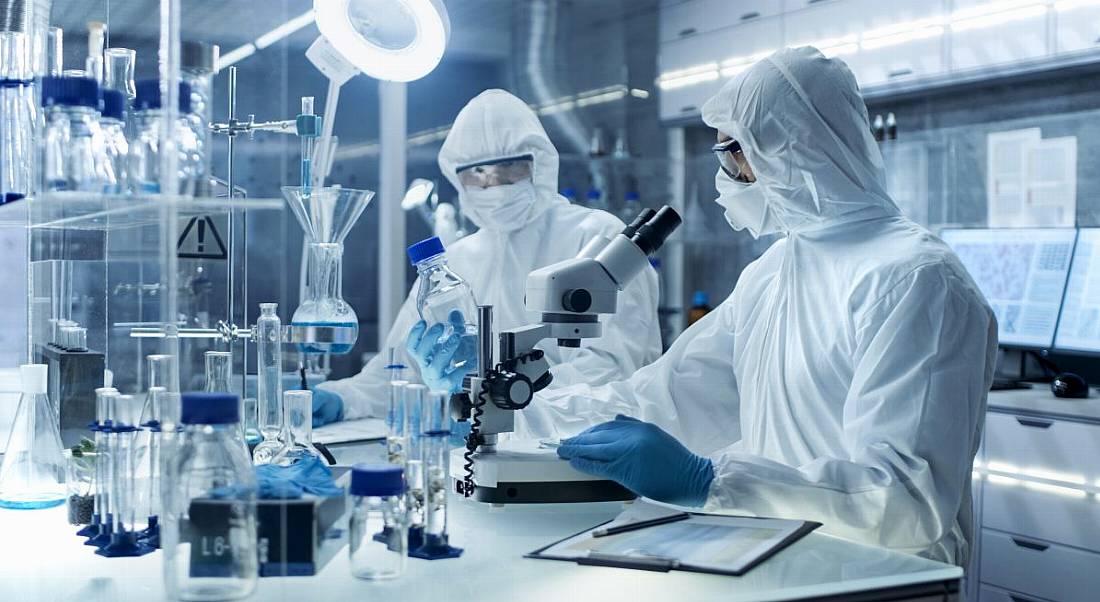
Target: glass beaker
[
  {"x": 119, "y": 71},
  {"x": 298, "y": 414},
  {"x": 219, "y": 371},
  {"x": 32, "y": 475}
]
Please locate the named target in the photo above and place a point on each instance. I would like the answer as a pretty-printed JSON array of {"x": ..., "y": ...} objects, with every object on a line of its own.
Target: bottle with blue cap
[
  {"x": 73, "y": 156},
  {"x": 18, "y": 118},
  {"x": 208, "y": 527},
  {"x": 632, "y": 206},
  {"x": 117, "y": 148},
  {"x": 145, "y": 148},
  {"x": 441, "y": 289},
  {"x": 377, "y": 540}
]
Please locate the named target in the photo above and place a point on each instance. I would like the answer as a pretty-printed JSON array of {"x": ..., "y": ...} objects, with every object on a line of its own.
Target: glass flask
[
  {"x": 377, "y": 541},
  {"x": 145, "y": 147},
  {"x": 324, "y": 322},
  {"x": 33, "y": 472},
  {"x": 298, "y": 414},
  {"x": 117, "y": 148},
  {"x": 268, "y": 335},
  {"x": 209, "y": 524},
  {"x": 219, "y": 371},
  {"x": 414, "y": 398},
  {"x": 119, "y": 71},
  {"x": 442, "y": 291},
  {"x": 18, "y": 118},
  {"x": 73, "y": 156},
  {"x": 435, "y": 432}
]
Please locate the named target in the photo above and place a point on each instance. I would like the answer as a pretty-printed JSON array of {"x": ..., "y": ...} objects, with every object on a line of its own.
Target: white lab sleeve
[
  {"x": 691, "y": 392},
  {"x": 911, "y": 424}
]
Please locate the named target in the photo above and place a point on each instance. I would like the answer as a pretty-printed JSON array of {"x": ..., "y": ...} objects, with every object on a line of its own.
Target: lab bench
[
  {"x": 1037, "y": 494},
  {"x": 41, "y": 560}
]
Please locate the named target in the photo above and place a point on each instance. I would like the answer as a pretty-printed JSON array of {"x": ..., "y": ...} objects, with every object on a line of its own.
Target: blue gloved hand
[
  {"x": 643, "y": 458},
  {"x": 436, "y": 357},
  {"x": 328, "y": 407}
]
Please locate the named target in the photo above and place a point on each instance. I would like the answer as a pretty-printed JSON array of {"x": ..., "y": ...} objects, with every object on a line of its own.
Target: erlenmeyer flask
[
  {"x": 219, "y": 371},
  {"x": 33, "y": 473},
  {"x": 298, "y": 413}
]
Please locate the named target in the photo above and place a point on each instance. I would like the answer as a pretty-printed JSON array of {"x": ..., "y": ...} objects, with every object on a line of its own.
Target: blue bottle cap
[
  {"x": 425, "y": 249},
  {"x": 209, "y": 408},
  {"x": 377, "y": 480},
  {"x": 70, "y": 92},
  {"x": 632, "y": 197},
  {"x": 593, "y": 193},
  {"x": 114, "y": 104},
  {"x": 148, "y": 95},
  {"x": 700, "y": 298},
  {"x": 569, "y": 193}
]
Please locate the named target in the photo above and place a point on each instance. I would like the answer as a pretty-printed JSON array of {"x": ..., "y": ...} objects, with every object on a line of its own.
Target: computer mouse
[{"x": 1069, "y": 385}]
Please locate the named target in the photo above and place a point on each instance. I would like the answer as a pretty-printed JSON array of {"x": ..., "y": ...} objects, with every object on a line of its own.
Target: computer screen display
[
  {"x": 1022, "y": 273},
  {"x": 1079, "y": 328}
]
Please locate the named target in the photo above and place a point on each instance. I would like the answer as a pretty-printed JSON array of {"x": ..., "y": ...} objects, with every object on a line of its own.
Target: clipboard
[{"x": 730, "y": 545}]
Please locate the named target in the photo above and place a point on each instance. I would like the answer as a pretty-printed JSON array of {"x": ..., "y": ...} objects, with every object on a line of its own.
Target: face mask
[
  {"x": 503, "y": 208},
  {"x": 745, "y": 205}
]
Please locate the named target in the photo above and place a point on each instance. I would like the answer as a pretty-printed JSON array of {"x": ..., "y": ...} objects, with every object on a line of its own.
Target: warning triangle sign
[{"x": 200, "y": 240}]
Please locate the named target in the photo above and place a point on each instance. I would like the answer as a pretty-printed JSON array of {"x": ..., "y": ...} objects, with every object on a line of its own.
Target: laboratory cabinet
[
  {"x": 1077, "y": 28},
  {"x": 1004, "y": 43},
  {"x": 701, "y": 16},
  {"x": 1039, "y": 536}
]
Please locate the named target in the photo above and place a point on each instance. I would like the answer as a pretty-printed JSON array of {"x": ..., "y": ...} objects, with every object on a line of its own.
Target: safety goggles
[
  {"x": 731, "y": 159},
  {"x": 496, "y": 172}
]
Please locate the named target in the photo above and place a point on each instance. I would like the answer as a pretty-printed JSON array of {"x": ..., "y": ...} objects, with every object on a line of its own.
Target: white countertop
[
  {"x": 41, "y": 560},
  {"x": 1040, "y": 401}
]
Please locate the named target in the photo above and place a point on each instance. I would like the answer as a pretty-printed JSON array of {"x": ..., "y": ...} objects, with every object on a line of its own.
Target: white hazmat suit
[
  {"x": 844, "y": 380},
  {"x": 510, "y": 244}
]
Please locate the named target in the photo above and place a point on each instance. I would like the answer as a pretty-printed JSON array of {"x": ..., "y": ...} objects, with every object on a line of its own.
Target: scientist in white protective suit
[
  {"x": 856, "y": 351},
  {"x": 505, "y": 169}
]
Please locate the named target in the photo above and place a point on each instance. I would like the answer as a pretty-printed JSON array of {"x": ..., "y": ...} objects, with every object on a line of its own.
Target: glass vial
[
  {"x": 209, "y": 527},
  {"x": 32, "y": 475},
  {"x": 269, "y": 387},
  {"x": 376, "y": 531}
]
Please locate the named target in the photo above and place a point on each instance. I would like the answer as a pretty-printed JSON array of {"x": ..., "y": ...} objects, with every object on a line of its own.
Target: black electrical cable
[{"x": 474, "y": 439}]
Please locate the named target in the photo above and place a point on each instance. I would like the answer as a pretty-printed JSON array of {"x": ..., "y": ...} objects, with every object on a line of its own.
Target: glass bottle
[
  {"x": 117, "y": 148},
  {"x": 377, "y": 509},
  {"x": 435, "y": 432},
  {"x": 144, "y": 159},
  {"x": 213, "y": 556},
  {"x": 269, "y": 386},
  {"x": 442, "y": 290},
  {"x": 197, "y": 66},
  {"x": 18, "y": 119},
  {"x": 298, "y": 413},
  {"x": 33, "y": 471},
  {"x": 73, "y": 156}
]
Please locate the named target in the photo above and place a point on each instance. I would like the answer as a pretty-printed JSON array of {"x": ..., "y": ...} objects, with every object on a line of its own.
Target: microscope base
[{"x": 520, "y": 472}]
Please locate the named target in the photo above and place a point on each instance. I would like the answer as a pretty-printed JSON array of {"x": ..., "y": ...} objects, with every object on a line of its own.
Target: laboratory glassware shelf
[{"x": 85, "y": 211}]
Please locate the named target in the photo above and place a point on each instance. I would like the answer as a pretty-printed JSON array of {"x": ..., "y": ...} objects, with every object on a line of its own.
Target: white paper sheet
[
  {"x": 1052, "y": 183},
  {"x": 365, "y": 429},
  {"x": 1006, "y": 172}
]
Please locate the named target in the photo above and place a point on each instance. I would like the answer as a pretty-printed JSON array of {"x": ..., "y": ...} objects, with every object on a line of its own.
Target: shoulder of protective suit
[{"x": 585, "y": 220}]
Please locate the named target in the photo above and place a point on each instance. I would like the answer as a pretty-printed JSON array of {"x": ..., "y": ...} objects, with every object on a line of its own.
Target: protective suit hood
[
  {"x": 496, "y": 125},
  {"x": 803, "y": 127}
]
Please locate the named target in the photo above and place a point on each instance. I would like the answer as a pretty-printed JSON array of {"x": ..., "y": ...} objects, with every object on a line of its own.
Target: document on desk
[
  {"x": 350, "y": 431},
  {"x": 706, "y": 543}
]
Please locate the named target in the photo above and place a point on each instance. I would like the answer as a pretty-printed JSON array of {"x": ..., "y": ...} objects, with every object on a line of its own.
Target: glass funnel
[
  {"x": 33, "y": 472},
  {"x": 324, "y": 322}
]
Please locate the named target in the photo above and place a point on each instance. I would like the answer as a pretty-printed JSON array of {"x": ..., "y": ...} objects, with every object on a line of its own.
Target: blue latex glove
[
  {"x": 328, "y": 407},
  {"x": 435, "y": 356},
  {"x": 309, "y": 475},
  {"x": 643, "y": 458}
]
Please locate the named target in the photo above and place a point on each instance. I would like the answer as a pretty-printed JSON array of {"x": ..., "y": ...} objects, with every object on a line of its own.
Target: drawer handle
[
  {"x": 1031, "y": 545},
  {"x": 750, "y": 16},
  {"x": 1019, "y": 598},
  {"x": 1034, "y": 423},
  {"x": 687, "y": 108},
  {"x": 813, "y": 1},
  {"x": 900, "y": 73},
  {"x": 690, "y": 31}
]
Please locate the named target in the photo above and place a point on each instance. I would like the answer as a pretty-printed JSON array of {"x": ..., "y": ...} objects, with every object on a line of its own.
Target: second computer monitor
[
  {"x": 1022, "y": 273},
  {"x": 1079, "y": 328}
]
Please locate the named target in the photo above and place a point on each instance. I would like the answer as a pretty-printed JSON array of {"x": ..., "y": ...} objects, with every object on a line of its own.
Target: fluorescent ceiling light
[
  {"x": 236, "y": 55},
  {"x": 425, "y": 20},
  {"x": 997, "y": 18},
  {"x": 1056, "y": 489},
  {"x": 639, "y": 93},
  {"x": 687, "y": 80},
  {"x": 902, "y": 37},
  {"x": 1064, "y": 5},
  {"x": 990, "y": 8},
  {"x": 284, "y": 30}
]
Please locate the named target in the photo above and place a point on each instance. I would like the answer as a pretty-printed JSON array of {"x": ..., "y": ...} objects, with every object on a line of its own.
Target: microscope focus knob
[
  {"x": 511, "y": 391},
  {"x": 577, "y": 300}
]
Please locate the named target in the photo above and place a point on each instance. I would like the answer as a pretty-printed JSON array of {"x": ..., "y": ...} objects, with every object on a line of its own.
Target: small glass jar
[
  {"x": 377, "y": 531},
  {"x": 80, "y": 481}
]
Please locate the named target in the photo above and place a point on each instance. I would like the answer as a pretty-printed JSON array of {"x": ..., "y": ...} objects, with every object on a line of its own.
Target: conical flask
[{"x": 33, "y": 473}]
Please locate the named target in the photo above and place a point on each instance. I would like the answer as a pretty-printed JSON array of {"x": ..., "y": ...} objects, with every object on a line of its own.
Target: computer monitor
[
  {"x": 1079, "y": 327},
  {"x": 1022, "y": 273}
]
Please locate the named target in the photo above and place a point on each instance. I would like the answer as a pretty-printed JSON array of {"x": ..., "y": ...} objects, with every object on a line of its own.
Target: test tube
[
  {"x": 415, "y": 398},
  {"x": 396, "y": 425},
  {"x": 435, "y": 430},
  {"x": 104, "y": 411},
  {"x": 123, "y": 532}
]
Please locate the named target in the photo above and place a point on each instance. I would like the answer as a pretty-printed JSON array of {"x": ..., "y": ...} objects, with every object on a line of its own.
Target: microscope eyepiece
[
  {"x": 652, "y": 234},
  {"x": 643, "y": 217}
]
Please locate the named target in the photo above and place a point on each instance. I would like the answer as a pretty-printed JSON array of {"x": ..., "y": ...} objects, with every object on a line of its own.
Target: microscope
[{"x": 570, "y": 296}]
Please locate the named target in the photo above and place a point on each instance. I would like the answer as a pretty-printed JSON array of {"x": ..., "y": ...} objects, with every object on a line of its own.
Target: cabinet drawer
[
  {"x": 701, "y": 16},
  {"x": 1062, "y": 517},
  {"x": 1078, "y": 28},
  {"x": 1043, "y": 447},
  {"x": 992, "y": 594},
  {"x": 1039, "y": 569}
]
